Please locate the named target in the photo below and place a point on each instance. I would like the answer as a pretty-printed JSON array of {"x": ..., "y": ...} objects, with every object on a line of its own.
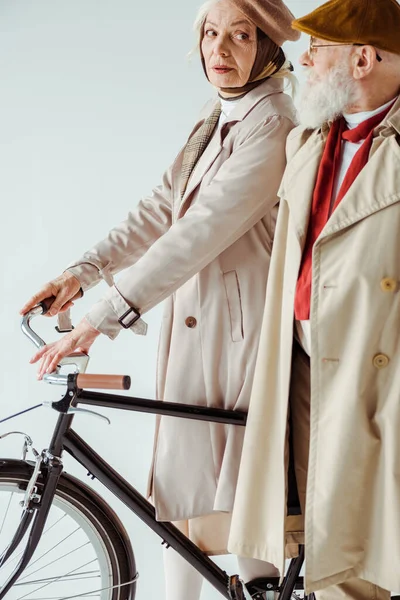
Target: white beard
[{"x": 326, "y": 99}]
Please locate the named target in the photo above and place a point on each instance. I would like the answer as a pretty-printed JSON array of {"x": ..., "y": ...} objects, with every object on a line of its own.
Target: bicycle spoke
[
  {"x": 76, "y": 577},
  {"x": 86, "y": 595},
  {"x": 75, "y": 558},
  {"x": 53, "y": 561},
  {"x": 16, "y": 556},
  {"x": 57, "y": 579},
  {"x": 89, "y": 594},
  {"x": 52, "y": 597},
  {"x": 52, "y": 548},
  {"x": 54, "y": 524},
  {"x": 6, "y": 513}
]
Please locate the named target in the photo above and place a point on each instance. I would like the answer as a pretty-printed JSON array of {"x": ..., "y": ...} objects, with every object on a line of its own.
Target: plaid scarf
[{"x": 196, "y": 146}]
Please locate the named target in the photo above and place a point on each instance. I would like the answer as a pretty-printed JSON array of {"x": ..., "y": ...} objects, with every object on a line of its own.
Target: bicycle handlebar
[
  {"x": 40, "y": 309},
  {"x": 46, "y": 304},
  {"x": 103, "y": 382},
  {"x": 79, "y": 359}
]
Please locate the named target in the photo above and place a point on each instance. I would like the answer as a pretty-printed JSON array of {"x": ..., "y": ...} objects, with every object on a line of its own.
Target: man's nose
[{"x": 305, "y": 59}]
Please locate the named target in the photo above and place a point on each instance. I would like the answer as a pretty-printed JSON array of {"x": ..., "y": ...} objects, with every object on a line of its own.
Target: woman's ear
[{"x": 364, "y": 60}]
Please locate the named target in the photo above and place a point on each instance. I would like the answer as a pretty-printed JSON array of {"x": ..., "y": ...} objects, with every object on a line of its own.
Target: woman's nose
[{"x": 220, "y": 48}]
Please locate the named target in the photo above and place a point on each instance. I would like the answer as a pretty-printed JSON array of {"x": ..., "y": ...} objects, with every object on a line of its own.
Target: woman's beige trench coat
[
  {"x": 208, "y": 254},
  {"x": 352, "y": 526}
]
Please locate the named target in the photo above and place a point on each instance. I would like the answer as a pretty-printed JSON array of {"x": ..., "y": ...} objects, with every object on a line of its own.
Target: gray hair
[
  {"x": 199, "y": 22},
  {"x": 202, "y": 15}
]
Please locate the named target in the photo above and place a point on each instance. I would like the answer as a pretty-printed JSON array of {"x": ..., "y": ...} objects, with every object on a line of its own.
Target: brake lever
[
  {"x": 92, "y": 413},
  {"x": 72, "y": 410}
]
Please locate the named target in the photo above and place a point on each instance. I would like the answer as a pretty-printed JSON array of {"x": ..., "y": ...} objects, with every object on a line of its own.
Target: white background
[{"x": 96, "y": 97}]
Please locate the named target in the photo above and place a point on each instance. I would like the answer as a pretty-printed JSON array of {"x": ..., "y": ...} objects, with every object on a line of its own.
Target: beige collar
[{"x": 392, "y": 119}]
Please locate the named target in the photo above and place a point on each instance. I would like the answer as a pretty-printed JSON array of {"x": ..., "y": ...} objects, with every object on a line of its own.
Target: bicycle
[{"x": 37, "y": 497}]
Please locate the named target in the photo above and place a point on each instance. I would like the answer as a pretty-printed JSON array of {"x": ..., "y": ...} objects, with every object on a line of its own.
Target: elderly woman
[{"x": 202, "y": 242}]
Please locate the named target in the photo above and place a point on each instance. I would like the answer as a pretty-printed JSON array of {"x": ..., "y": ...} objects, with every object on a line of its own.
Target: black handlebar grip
[{"x": 46, "y": 304}]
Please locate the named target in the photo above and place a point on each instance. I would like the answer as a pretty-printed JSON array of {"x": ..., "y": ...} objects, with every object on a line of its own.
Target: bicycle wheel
[{"x": 84, "y": 550}]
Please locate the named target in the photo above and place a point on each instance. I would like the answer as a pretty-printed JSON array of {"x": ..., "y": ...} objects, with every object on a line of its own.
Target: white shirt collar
[{"x": 227, "y": 106}]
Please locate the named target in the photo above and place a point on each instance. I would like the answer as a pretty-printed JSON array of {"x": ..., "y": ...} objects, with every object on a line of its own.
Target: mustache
[{"x": 311, "y": 76}]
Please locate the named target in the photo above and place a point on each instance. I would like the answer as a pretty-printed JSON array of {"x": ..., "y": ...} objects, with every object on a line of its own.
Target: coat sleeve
[
  {"x": 243, "y": 191},
  {"x": 126, "y": 243}
]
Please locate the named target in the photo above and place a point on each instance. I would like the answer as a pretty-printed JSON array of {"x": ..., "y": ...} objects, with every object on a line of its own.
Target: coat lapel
[
  {"x": 268, "y": 88},
  {"x": 298, "y": 184},
  {"x": 376, "y": 187},
  {"x": 204, "y": 163}
]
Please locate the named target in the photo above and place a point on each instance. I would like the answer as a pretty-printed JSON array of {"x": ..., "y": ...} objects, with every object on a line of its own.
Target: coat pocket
[{"x": 232, "y": 290}]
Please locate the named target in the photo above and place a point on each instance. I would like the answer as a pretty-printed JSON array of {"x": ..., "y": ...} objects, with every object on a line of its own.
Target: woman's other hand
[
  {"x": 80, "y": 339},
  {"x": 64, "y": 289}
]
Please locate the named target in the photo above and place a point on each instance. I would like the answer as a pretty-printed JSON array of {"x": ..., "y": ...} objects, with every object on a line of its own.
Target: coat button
[
  {"x": 388, "y": 284},
  {"x": 381, "y": 361},
  {"x": 191, "y": 322}
]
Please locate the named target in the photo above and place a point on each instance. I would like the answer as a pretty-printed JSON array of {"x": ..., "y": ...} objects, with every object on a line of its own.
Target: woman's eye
[
  {"x": 242, "y": 36},
  {"x": 210, "y": 33}
]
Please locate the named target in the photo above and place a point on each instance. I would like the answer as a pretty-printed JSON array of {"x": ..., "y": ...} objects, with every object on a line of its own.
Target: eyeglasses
[{"x": 312, "y": 48}]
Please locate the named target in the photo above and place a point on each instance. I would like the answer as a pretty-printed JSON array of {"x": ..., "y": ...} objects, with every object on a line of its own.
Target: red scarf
[{"x": 321, "y": 203}]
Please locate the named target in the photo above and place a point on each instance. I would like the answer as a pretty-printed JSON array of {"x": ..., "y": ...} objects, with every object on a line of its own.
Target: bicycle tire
[{"x": 98, "y": 522}]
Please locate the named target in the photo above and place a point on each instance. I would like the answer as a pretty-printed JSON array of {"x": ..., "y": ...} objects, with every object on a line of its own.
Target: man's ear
[{"x": 364, "y": 60}]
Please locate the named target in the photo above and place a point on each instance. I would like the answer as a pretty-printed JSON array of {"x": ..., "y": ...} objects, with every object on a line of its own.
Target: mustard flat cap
[
  {"x": 271, "y": 16},
  {"x": 367, "y": 22}
]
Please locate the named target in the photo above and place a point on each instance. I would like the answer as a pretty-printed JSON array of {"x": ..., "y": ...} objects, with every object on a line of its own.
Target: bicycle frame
[
  {"x": 87, "y": 457},
  {"x": 66, "y": 439}
]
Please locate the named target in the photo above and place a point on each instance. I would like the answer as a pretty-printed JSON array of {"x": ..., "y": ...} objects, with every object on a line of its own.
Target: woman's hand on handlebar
[
  {"x": 64, "y": 289},
  {"x": 81, "y": 338}
]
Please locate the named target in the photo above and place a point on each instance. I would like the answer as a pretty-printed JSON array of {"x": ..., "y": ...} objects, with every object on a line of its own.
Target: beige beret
[{"x": 271, "y": 16}]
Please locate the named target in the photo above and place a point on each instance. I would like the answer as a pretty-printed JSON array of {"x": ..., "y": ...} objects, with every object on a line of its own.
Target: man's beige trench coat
[
  {"x": 352, "y": 526},
  {"x": 208, "y": 254}
]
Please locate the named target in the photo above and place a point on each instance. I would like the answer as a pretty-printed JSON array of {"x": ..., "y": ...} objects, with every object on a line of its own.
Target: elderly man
[{"x": 333, "y": 303}]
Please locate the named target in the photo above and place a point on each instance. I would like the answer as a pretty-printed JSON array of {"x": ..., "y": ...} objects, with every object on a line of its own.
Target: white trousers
[{"x": 183, "y": 582}]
